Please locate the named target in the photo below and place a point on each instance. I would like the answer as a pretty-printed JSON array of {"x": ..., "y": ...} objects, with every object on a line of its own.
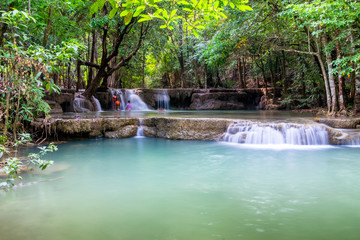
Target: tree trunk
[
  {"x": 331, "y": 77},
  {"x": 205, "y": 76},
  {"x": 29, "y": 6},
  {"x": 240, "y": 73},
  {"x": 283, "y": 73},
  {"x": 244, "y": 72},
  {"x": 143, "y": 69},
  {"x": 196, "y": 73},
  {"x": 94, "y": 84},
  {"x": 69, "y": 81},
  {"x": 352, "y": 74},
  {"x": 92, "y": 58},
  {"x": 340, "y": 77},
  {"x": 357, "y": 94},
  {"x": 48, "y": 27},
  {"x": 16, "y": 120},
  {"x": 7, "y": 106},
  {"x": 79, "y": 77},
  {"x": 326, "y": 81},
  {"x": 181, "y": 58}
]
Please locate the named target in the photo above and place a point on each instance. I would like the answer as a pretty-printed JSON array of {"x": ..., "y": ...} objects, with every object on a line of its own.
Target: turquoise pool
[{"x": 144, "y": 188}]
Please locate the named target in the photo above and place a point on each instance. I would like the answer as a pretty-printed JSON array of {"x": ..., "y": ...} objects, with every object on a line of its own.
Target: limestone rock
[
  {"x": 55, "y": 107},
  {"x": 218, "y": 101},
  {"x": 65, "y": 99},
  {"x": 340, "y": 123},
  {"x": 114, "y": 124},
  {"x": 181, "y": 128},
  {"x": 124, "y": 132}
]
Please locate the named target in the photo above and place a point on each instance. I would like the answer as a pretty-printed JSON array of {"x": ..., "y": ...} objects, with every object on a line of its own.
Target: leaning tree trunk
[
  {"x": 326, "y": 81},
  {"x": 94, "y": 84},
  {"x": 92, "y": 57},
  {"x": 331, "y": 77}
]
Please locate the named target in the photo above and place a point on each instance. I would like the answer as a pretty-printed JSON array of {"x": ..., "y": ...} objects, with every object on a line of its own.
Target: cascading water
[
  {"x": 120, "y": 96},
  {"x": 163, "y": 99},
  {"x": 83, "y": 105},
  {"x": 280, "y": 133},
  {"x": 140, "y": 131},
  {"x": 97, "y": 104},
  {"x": 136, "y": 102}
]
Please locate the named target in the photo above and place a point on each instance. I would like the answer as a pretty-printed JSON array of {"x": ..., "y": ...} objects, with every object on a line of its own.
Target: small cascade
[
  {"x": 163, "y": 100},
  {"x": 276, "y": 133},
  {"x": 122, "y": 101},
  {"x": 349, "y": 137},
  {"x": 136, "y": 102},
  {"x": 140, "y": 131},
  {"x": 119, "y": 96},
  {"x": 97, "y": 104},
  {"x": 129, "y": 95},
  {"x": 81, "y": 105}
]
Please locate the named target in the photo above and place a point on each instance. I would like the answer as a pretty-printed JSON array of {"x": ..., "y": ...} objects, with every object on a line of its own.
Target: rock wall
[
  {"x": 170, "y": 128},
  {"x": 186, "y": 129},
  {"x": 61, "y": 102},
  {"x": 206, "y": 99}
]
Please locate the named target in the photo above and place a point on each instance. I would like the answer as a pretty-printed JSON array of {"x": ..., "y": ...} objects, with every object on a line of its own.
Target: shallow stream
[{"x": 144, "y": 188}]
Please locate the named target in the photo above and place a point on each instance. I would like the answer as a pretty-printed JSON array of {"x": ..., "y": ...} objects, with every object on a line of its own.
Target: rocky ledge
[
  {"x": 169, "y": 128},
  {"x": 160, "y": 127},
  {"x": 348, "y": 123}
]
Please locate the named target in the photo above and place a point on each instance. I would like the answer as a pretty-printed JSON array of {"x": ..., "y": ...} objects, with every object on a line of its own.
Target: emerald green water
[{"x": 143, "y": 188}]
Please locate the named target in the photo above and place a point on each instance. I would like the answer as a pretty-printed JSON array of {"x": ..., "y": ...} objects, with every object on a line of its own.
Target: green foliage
[
  {"x": 13, "y": 164},
  {"x": 192, "y": 13}
]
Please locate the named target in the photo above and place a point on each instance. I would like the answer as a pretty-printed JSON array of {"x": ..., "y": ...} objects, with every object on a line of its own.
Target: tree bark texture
[
  {"x": 340, "y": 78},
  {"x": 331, "y": 77},
  {"x": 48, "y": 27}
]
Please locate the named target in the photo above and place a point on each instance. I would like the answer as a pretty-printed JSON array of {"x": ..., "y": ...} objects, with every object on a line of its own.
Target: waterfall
[
  {"x": 162, "y": 99},
  {"x": 280, "y": 133},
  {"x": 119, "y": 96},
  {"x": 81, "y": 105},
  {"x": 97, "y": 104},
  {"x": 136, "y": 102},
  {"x": 140, "y": 131}
]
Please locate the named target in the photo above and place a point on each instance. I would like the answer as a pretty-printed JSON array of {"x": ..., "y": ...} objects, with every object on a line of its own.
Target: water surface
[
  {"x": 143, "y": 188},
  {"x": 238, "y": 114}
]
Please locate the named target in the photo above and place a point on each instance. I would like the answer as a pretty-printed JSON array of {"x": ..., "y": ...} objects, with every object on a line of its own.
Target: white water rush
[
  {"x": 140, "y": 131},
  {"x": 129, "y": 95},
  {"x": 276, "y": 133},
  {"x": 163, "y": 99}
]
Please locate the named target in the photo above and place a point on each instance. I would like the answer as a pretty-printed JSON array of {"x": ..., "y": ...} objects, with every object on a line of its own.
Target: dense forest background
[{"x": 308, "y": 50}]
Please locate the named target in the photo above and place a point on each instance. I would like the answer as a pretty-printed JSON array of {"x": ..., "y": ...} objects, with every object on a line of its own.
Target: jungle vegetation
[{"x": 307, "y": 50}]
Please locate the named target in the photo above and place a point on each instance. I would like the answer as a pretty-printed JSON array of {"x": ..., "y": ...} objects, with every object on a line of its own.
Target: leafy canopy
[{"x": 192, "y": 13}]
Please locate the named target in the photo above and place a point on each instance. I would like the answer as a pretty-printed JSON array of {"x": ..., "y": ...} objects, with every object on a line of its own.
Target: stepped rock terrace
[{"x": 282, "y": 127}]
